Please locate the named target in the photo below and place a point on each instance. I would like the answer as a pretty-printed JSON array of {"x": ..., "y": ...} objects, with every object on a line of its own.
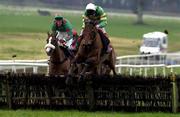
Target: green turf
[
  {"x": 28, "y": 46},
  {"x": 76, "y": 113},
  {"x": 17, "y": 22},
  {"x": 118, "y": 26}
]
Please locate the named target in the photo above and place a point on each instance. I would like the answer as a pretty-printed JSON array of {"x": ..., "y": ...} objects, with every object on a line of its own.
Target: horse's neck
[
  {"x": 98, "y": 40},
  {"x": 58, "y": 54}
]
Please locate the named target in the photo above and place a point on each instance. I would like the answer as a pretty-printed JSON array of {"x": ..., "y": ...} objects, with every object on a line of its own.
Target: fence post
[
  {"x": 90, "y": 93},
  {"x": 174, "y": 94},
  {"x": 8, "y": 91}
]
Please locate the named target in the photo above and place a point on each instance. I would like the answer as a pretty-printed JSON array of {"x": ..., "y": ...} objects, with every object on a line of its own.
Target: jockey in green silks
[
  {"x": 64, "y": 29},
  {"x": 96, "y": 13}
]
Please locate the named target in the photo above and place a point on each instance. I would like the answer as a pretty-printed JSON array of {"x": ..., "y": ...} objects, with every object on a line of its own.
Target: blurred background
[{"x": 149, "y": 6}]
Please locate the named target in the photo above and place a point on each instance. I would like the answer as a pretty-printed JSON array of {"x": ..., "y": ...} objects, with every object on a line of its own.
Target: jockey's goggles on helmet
[{"x": 90, "y": 12}]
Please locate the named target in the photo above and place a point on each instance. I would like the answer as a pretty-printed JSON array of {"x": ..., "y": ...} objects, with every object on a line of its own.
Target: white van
[{"x": 154, "y": 43}]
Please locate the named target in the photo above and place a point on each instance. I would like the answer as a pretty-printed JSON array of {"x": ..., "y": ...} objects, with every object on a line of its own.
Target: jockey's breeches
[{"x": 64, "y": 35}]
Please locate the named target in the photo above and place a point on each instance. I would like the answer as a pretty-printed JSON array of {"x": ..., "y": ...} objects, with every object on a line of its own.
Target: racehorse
[
  {"x": 90, "y": 53},
  {"x": 59, "y": 63}
]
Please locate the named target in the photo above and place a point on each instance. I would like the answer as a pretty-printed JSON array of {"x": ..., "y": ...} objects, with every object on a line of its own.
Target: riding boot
[{"x": 105, "y": 42}]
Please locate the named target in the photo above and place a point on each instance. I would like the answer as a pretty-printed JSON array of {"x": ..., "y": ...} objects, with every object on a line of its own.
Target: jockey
[
  {"x": 65, "y": 31},
  {"x": 97, "y": 14}
]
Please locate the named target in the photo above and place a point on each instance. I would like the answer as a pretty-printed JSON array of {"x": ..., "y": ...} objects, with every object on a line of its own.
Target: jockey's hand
[{"x": 62, "y": 42}]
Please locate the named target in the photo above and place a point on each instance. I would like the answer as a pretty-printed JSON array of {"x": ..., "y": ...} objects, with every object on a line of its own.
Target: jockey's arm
[
  {"x": 83, "y": 20},
  {"x": 102, "y": 24},
  {"x": 102, "y": 19},
  {"x": 70, "y": 35},
  {"x": 68, "y": 29}
]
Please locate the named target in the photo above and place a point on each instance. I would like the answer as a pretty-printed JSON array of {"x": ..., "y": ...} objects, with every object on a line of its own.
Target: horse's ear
[{"x": 166, "y": 32}]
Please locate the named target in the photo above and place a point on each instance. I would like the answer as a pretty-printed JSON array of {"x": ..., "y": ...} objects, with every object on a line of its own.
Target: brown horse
[
  {"x": 59, "y": 64},
  {"x": 90, "y": 54}
]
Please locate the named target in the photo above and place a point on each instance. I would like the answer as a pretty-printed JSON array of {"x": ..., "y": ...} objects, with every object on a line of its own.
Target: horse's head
[
  {"x": 52, "y": 43},
  {"x": 89, "y": 35}
]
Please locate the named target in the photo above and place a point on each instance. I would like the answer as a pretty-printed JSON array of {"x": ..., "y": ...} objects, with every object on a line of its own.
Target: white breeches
[{"x": 63, "y": 35}]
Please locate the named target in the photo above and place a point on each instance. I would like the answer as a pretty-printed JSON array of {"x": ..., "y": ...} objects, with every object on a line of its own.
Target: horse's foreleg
[
  {"x": 114, "y": 71},
  {"x": 82, "y": 74},
  {"x": 84, "y": 69},
  {"x": 71, "y": 69},
  {"x": 69, "y": 79}
]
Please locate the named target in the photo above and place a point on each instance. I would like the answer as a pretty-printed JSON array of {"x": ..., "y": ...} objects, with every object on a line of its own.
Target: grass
[
  {"x": 24, "y": 46},
  {"x": 25, "y": 28},
  {"x": 23, "y": 33},
  {"x": 29, "y": 33},
  {"x": 75, "y": 113}
]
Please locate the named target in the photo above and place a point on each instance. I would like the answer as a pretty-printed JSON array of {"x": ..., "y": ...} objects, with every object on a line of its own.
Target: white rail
[
  {"x": 14, "y": 65},
  {"x": 141, "y": 64},
  {"x": 163, "y": 63}
]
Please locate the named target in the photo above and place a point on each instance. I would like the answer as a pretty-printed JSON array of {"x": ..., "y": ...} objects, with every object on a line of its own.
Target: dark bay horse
[
  {"x": 59, "y": 64},
  {"x": 90, "y": 54}
]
